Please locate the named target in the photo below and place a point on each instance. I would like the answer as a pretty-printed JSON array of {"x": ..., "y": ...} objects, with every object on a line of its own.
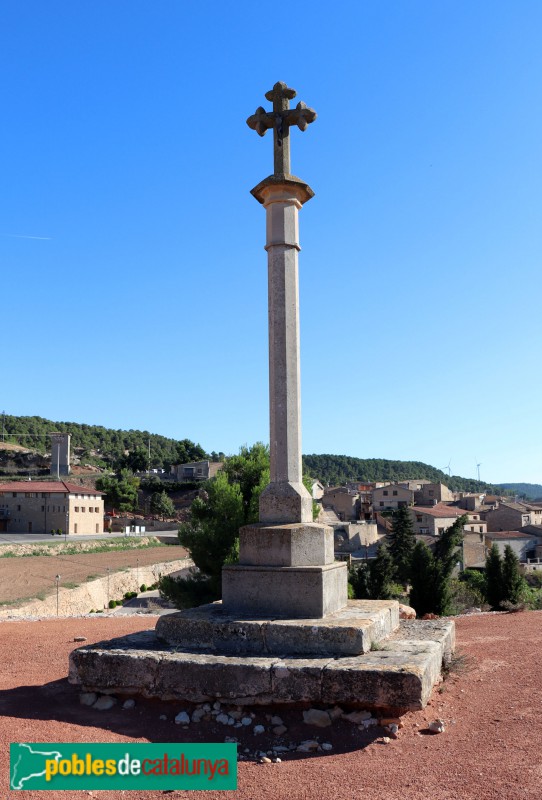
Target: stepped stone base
[
  {"x": 399, "y": 676},
  {"x": 350, "y": 631}
]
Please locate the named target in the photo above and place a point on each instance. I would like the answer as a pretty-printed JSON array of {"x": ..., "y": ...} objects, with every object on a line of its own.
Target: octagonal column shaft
[{"x": 285, "y": 499}]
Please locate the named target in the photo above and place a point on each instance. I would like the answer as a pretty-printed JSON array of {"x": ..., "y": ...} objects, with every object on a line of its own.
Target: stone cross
[
  {"x": 280, "y": 120},
  {"x": 286, "y": 561}
]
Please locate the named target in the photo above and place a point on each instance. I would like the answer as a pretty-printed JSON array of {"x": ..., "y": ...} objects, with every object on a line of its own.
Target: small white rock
[
  {"x": 130, "y": 703},
  {"x": 258, "y": 729},
  {"x": 317, "y": 717},
  {"x": 437, "y": 726},
  {"x": 265, "y": 760},
  {"x": 309, "y": 746},
  {"x": 88, "y": 698},
  {"x": 246, "y": 721},
  {"x": 105, "y": 702},
  {"x": 223, "y": 719},
  {"x": 198, "y": 714},
  {"x": 276, "y": 721},
  {"x": 279, "y": 730},
  {"x": 182, "y": 718},
  {"x": 216, "y": 706},
  {"x": 326, "y": 746},
  {"x": 357, "y": 717},
  {"x": 277, "y": 760}
]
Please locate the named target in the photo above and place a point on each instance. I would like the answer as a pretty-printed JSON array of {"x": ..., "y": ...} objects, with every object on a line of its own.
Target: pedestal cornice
[{"x": 266, "y": 191}]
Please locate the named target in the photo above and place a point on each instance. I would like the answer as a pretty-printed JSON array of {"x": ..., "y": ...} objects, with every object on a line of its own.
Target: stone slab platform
[
  {"x": 350, "y": 631},
  {"x": 399, "y": 676}
]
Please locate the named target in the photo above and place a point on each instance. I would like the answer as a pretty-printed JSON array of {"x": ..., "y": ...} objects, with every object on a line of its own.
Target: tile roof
[
  {"x": 508, "y": 535},
  {"x": 440, "y": 510},
  {"x": 47, "y": 487}
]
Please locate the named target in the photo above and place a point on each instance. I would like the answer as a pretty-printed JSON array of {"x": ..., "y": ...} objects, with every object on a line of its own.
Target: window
[
  {"x": 431, "y": 493},
  {"x": 83, "y": 509},
  {"x": 14, "y": 494},
  {"x": 97, "y": 529},
  {"x": 441, "y": 531},
  {"x": 481, "y": 529},
  {"x": 385, "y": 493},
  {"x": 43, "y": 495},
  {"x": 395, "y": 492},
  {"x": 381, "y": 504},
  {"x": 97, "y": 510},
  {"x": 75, "y": 528},
  {"x": 419, "y": 518},
  {"x": 43, "y": 508},
  {"x": 90, "y": 509},
  {"x": 76, "y": 509},
  {"x": 18, "y": 508}
]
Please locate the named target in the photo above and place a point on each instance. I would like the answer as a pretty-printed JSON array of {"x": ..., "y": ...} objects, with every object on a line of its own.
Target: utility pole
[
  {"x": 57, "y": 580},
  {"x": 3, "y": 428}
]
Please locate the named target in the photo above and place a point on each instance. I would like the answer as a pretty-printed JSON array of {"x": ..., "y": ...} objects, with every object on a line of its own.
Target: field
[{"x": 22, "y": 578}]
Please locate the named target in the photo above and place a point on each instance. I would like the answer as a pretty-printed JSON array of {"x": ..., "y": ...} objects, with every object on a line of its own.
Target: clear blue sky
[{"x": 141, "y": 303}]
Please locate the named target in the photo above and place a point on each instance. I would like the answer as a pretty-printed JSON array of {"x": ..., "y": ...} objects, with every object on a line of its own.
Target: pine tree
[
  {"x": 381, "y": 574},
  {"x": 512, "y": 581},
  {"x": 402, "y": 544},
  {"x": 494, "y": 578},
  {"x": 422, "y": 578},
  {"x": 446, "y": 557}
]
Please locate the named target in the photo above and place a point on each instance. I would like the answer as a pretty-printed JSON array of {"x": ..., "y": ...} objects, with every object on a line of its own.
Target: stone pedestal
[{"x": 285, "y": 571}]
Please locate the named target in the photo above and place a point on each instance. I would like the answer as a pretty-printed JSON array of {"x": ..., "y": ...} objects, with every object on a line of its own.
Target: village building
[
  {"x": 434, "y": 520},
  {"x": 196, "y": 470},
  {"x": 511, "y": 516},
  {"x": 432, "y": 493},
  {"x": 344, "y": 502},
  {"x": 523, "y": 544},
  {"x": 392, "y": 497},
  {"x": 45, "y": 506}
]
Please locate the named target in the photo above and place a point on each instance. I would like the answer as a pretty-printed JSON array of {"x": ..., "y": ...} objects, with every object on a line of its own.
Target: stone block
[
  {"x": 349, "y": 631},
  {"x": 284, "y": 502},
  {"x": 295, "y": 545},
  {"x": 289, "y": 592}
]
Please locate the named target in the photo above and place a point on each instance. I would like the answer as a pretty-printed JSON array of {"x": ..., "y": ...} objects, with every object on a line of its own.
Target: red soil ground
[{"x": 491, "y": 748}]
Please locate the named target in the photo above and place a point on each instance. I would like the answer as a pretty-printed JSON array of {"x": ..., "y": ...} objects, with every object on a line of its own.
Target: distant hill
[
  {"x": 98, "y": 445},
  {"x": 532, "y": 491},
  {"x": 335, "y": 470}
]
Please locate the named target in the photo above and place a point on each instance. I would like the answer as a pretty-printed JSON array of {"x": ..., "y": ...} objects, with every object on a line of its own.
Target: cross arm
[{"x": 261, "y": 121}]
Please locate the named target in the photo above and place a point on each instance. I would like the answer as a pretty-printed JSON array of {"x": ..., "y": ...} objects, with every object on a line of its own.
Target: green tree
[
  {"x": 224, "y": 504},
  {"x": 432, "y": 573},
  {"x": 494, "y": 578},
  {"x": 403, "y": 542},
  {"x": 445, "y": 560},
  {"x": 422, "y": 578},
  {"x": 373, "y": 579},
  {"x": 381, "y": 574},
  {"x": 162, "y": 505},
  {"x": 513, "y": 583},
  {"x": 359, "y": 577},
  {"x": 120, "y": 492}
]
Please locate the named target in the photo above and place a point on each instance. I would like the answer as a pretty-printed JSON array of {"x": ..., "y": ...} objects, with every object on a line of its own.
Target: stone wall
[{"x": 95, "y": 594}]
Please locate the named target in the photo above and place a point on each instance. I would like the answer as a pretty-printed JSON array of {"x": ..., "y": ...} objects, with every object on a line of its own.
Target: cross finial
[{"x": 280, "y": 119}]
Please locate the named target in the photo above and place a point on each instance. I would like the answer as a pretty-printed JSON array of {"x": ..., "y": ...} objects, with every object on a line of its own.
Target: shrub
[
  {"x": 143, "y": 587},
  {"x": 112, "y": 603}
]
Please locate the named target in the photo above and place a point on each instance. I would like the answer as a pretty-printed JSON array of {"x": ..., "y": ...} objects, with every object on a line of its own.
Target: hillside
[
  {"x": 97, "y": 445},
  {"x": 532, "y": 491},
  {"x": 106, "y": 447},
  {"x": 336, "y": 470}
]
